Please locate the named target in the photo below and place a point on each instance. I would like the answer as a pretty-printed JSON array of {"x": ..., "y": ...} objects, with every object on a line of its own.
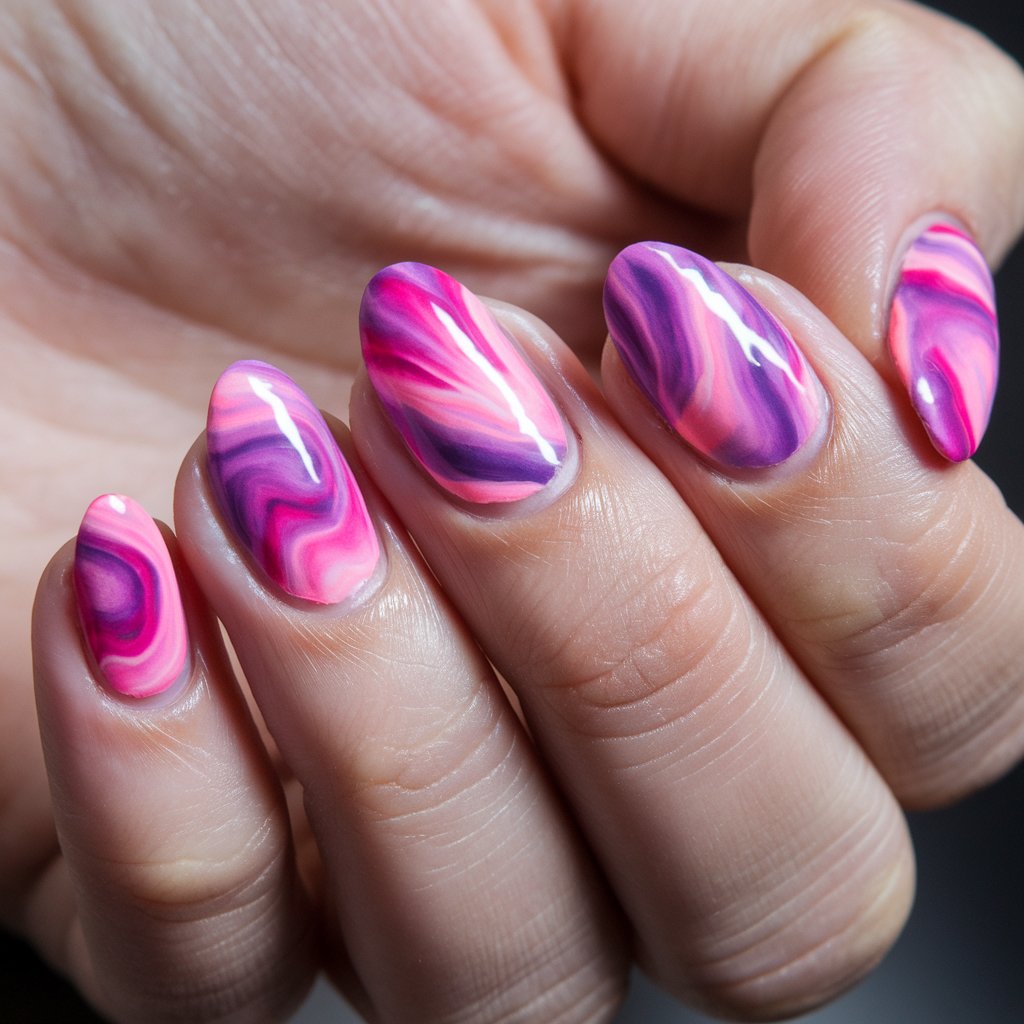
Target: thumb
[{"x": 839, "y": 132}]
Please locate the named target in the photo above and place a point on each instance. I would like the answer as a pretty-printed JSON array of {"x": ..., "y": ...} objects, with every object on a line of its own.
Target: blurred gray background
[{"x": 960, "y": 959}]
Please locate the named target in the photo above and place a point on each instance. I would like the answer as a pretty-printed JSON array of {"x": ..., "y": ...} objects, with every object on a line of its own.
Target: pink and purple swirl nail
[
  {"x": 712, "y": 360},
  {"x": 285, "y": 488},
  {"x": 128, "y": 598},
  {"x": 944, "y": 338},
  {"x": 457, "y": 390}
]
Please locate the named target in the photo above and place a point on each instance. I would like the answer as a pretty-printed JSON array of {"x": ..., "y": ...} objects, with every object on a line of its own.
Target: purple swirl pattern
[
  {"x": 944, "y": 338},
  {"x": 462, "y": 397},
  {"x": 285, "y": 488},
  {"x": 711, "y": 359},
  {"x": 128, "y": 598}
]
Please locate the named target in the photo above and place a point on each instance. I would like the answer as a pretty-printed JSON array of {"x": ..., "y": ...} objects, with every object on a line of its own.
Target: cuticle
[
  {"x": 910, "y": 234},
  {"x": 554, "y": 490}
]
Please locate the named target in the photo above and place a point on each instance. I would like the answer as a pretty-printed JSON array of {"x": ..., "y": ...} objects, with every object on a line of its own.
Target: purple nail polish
[
  {"x": 712, "y": 360},
  {"x": 462, "y": 397},
  {"x": 128, "y": 598},
  {"x": 944, "y": 338},
  {"x": 285, "y": 488}
]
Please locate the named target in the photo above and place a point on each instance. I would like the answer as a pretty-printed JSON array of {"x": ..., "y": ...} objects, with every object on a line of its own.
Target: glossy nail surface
[
  {"x": 128, "y": 598},
  {"x": 944, "y": 338},
  {"x": 712, "y": 360},
  {"x": 285, "y": 488},
  {"x": 458, "y": 391}
]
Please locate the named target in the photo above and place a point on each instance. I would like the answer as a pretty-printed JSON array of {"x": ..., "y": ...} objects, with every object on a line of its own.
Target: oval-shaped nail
[
  {"x": 712, "y": 360},
  {"x": 944, "y": 338},
  {"x": 465, "y": 401},
  {"x": 128, "y": 598},
  {"x": 284, "y": 486}
]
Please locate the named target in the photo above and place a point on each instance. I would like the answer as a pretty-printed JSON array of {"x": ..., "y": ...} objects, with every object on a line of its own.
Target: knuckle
[
  {"x": 434, "y": 765},
  {"x": 649, "y": 648},
  {"x": 915, "y": 636},
  {"x": 815, "y": 927},
  {"x": 204, "y": 885}
]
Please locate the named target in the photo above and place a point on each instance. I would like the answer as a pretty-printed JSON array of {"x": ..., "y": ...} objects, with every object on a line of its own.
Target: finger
[
  {"x": 172, "y": 824},
  {"x": 760, "y": 859},
  {"x": 451, "y": 872},
  {"x": 850, "y": 133},
  {"x": 896, "y": 581}
]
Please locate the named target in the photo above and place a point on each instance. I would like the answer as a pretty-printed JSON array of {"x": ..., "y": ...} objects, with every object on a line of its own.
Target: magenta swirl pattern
[
  {"x": 714, "y": 362},
  {"x": 284, "y": 487},
  {"x": 457, "y": 390},
  {"x": 944, "y": 338},
  {"x": 128, "y": 598}
]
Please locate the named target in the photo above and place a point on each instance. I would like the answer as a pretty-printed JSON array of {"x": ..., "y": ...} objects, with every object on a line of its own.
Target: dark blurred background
[{"x": 961, "y": 958}]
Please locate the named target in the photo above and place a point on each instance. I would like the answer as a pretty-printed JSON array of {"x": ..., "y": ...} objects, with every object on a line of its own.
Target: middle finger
[{"x": 760, "y": 858}]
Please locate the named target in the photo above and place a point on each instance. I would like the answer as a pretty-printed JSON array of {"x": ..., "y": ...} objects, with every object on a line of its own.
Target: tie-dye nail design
[
  {"x": 713, "y": 361},
  {"x": 284, "y": 486},
  {"x": 128, "y": 598},
  {"x": 944, "y": 338},
  {"x": 462, "y": 397}
]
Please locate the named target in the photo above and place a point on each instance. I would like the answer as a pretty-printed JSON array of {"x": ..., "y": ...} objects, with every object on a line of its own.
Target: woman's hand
[
  {"x": 186, "y": 186},
  {"x": 736, "y": 644}
]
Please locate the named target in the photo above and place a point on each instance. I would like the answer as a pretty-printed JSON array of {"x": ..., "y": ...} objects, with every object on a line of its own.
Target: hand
[
  {"x": 245, "y": 227},
  {"x": 671, "y": 668}
]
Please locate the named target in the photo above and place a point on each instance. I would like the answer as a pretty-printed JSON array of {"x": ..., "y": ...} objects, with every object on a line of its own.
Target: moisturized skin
[
  {"x": 944, "y": 338},
  {"x": 128, "y": 598},
  {"x": 713, "y": 361},
  {"x": 284, "y": 487},
  {"x": 462, "y": 397}
]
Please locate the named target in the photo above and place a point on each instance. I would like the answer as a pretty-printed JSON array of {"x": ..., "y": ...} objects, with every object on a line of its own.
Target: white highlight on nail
[
  {"x": 263, "y": 390},
  {"x": 750, "y": 341},
  {"x": 466, "y": 346},
  {"x": 924, "y": 391}
]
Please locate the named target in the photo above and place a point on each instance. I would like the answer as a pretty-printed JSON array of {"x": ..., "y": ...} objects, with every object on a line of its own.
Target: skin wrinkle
[
  {"x": 423, "y": 778},
  {"x": 711, "y": 744},
  {"x": 544, "y": 248},
  {"x": 669, "y": 613},
  {"x": 911, "y": 587},
  {"x": 240, "y": 979},
  {"x": 728, "y": 968}
]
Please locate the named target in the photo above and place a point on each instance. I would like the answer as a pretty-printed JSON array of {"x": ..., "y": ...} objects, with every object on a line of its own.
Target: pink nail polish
[
  {"x": 128, "y": 598},
  {"x": 711, "y": 359},
  {"x": 467, "y": 404},
  {"x": 285, "y": 488},
  {"x": 944, "y": 338}
]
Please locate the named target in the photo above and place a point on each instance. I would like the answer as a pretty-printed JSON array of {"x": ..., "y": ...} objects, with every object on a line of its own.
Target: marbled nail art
[
  {"x": 712, "y": 360},
  {"x": 944, "y": 338},
  {"x": 462, "y": 397},
  {"x": 285, "y": 488},
  {"x": 128, "y": 598}
]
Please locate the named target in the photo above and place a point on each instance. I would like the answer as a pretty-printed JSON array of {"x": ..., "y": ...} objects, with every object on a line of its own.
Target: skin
[{"x": 199, "y": 184}]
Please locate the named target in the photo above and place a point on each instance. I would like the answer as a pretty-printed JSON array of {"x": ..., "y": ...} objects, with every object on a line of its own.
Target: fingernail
[
  {"x": 128, "y": 598},
  {"x": 944, "y": 338},
  {"x": 285, "y": 488},
  {"x": 713, "y": 361},
  {"x": 457, "y": 390}
]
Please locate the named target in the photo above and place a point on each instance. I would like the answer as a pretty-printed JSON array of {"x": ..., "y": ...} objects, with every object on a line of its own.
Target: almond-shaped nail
[
  {"x": 128, "y": 598},
  {"x": 456, "y": 388},
  {"x": 711, "y": 359},
  {"x": 284, "y": 487},
  {"x": 944, "y": 338}
]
